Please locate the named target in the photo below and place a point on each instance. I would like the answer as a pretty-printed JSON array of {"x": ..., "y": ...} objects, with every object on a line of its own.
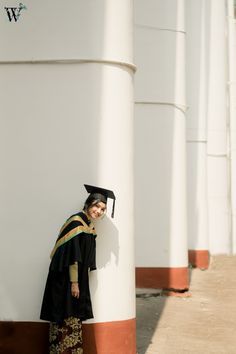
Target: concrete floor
[{"x": 204, "y": 323}]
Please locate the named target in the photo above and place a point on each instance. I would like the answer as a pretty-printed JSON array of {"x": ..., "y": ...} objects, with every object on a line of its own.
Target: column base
[
  {"x": 24, "y": 337},
  {"x": 99, "y": 338},
  {"x": 110, "y": 337},
  {"x": 199, "y": 258},
  {"x": 162, "y": 278}
]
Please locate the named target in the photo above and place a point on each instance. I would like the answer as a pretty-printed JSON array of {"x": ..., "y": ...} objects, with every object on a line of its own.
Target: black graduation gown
[{"x": 76, "y": 243}]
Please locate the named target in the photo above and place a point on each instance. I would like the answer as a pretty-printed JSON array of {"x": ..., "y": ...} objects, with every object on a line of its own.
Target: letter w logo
[{"x": 13, "y": 13}]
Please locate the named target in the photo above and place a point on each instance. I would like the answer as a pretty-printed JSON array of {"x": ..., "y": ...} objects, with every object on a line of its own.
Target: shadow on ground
[
  {"x": 150, "y": 304},
  {"x": 149, "y": 308}
]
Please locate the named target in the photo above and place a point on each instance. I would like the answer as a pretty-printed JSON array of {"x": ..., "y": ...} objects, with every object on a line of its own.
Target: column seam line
[
  {"x": 183, "y": 108},
  {"x": 217, "y": 155},
  {"x": 70, "y": 61},
  {"x": 160, "y": 28}
]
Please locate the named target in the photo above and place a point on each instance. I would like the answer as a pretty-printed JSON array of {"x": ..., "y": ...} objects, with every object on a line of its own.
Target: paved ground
[{"x": 204, "y": 323}]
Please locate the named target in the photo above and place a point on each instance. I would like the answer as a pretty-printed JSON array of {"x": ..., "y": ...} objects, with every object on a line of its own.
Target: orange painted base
[
  {"x": 23, "y": 337},
  {"x": 118, "y": 337},
  {"x": 199, "y": 258},
  {"x": 162, "y": 278}
]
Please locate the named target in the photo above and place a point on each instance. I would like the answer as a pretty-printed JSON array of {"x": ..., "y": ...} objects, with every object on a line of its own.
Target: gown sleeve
[{"x": 73, "y": 272}]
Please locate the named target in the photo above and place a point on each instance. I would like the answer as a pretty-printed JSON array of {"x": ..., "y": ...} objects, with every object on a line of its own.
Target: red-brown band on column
[
  {"x": 162, "y": 278},
  {"x": 23, "y": 337},
  {"x": 118, "y": 337},
  {"x": 199, "y": 258}
]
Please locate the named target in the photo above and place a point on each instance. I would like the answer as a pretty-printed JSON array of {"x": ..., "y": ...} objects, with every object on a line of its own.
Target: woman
[{"x": 66, "y": 300}]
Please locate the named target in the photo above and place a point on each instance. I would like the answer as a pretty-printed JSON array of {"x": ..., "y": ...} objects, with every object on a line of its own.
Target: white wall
[
  {"x": 45, "y": 162},
  {"x": 71, "y": 30}
]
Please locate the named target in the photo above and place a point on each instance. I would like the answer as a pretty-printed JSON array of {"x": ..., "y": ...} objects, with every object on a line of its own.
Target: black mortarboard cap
[{"x": 105, "y": 192}]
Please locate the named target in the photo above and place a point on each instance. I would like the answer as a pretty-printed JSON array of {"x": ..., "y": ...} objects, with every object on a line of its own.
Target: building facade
[
  {"x": 184, "y": 137},
  {"x": 138, "y": 97}
]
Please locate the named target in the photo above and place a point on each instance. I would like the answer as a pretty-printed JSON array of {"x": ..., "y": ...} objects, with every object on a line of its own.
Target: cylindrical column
[
  {"x": 67, "y": 116},
  {"x": 160, "y": 145},
  {"x": 196, "y": 41},
  {"x": 114, "y": 326},
  {"x": 217, "y": 145},
  {"x": 232, "y": 115}
]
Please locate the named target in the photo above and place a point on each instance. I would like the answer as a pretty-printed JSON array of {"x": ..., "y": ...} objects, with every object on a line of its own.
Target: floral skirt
[{"x": 66, "y": 338}]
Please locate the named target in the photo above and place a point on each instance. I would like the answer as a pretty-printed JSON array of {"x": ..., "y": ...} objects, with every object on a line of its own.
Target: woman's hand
[{"x": 75, "y": 290}]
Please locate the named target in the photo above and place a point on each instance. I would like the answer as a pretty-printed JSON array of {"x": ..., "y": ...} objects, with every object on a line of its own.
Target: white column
[
  {"x": 218, "y": 158},
  {"x": 196, "y": 39},
  {"x": 67, "y": 116},
  {"x": 231, "y": 31},
  {"x": 160, "y": 141}
]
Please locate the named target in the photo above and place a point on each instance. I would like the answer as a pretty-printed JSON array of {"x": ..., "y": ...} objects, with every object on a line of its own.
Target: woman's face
[{"x": 97, "y": 210}]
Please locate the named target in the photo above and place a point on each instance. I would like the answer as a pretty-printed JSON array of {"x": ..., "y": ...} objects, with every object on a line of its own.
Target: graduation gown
[{"x": 76, "y": 243}]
